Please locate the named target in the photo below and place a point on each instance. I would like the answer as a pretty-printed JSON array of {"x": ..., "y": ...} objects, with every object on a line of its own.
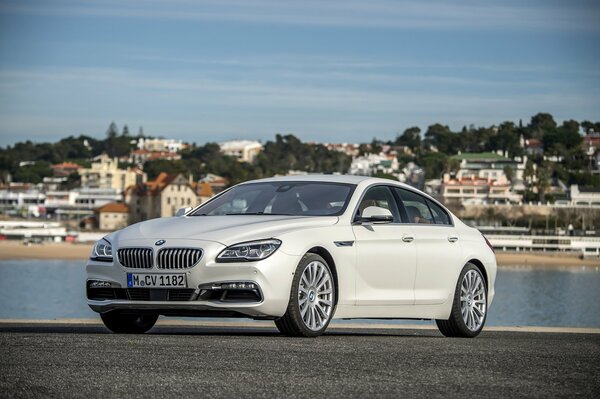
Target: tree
[
  {"x": 112, "y": 131},
  {"x": 442, "y": 138},
  {"x": 125, "y": 130},
  {"x": 434, "y": 164},
  {"x": 543, "y": 180},
  {"x": 540, "y": 124},
  {"x": 375, "y": 146},
  {"x": 411, "y": 138},
  {"x": 509, "y": 172},
  {"x": 507, "y": 140},
  {"x": 33, "y": 173},
  {"x": 590, "y": 127}
]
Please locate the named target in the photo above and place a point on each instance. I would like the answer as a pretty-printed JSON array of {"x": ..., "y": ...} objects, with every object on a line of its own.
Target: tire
[
  {"x": 312, "y": 299},
  {"x": 128, "y": 323},
  {"x": 473, "y": 303}
]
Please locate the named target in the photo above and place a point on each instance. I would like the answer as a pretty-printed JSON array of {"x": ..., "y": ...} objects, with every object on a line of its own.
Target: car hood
[{"x": 226, "y": 230}]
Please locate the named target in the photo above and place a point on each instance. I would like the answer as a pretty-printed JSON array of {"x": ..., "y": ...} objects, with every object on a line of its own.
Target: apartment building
[
  {"x": 105, "y": 173},
  {"x": 476, "y": 191}
]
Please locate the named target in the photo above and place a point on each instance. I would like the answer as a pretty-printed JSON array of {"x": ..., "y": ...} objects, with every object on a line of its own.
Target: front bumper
[{"x": 273, "y": 276}]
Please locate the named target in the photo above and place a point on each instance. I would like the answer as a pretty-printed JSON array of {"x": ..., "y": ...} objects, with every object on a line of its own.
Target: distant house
[
  {"x": 346, "y": 148},
  {"x": 141, "y": 156},
  {"x": 204, "y": 192},
  {"x": 486, "y": 165},
  {"x": 161, "y": 197},
  {"x": 371, "y": 164},
  {"x": 534, "y": 147},
  {"x": 242, "y": 150},
  {"x": 113, "y": 216},
  {"x": 162, "y": 145},
  {"x": 585, "y": 195},
  {"x": 65, "y": 169},
  {"x": 216, "y": 182}
]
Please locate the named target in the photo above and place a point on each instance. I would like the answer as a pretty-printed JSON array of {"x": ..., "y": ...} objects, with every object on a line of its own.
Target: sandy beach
[
  {"x": 63, "y": 250},
  {"x": 16, "y": 250}
]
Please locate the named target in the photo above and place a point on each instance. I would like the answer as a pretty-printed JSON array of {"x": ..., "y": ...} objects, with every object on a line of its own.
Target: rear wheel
[
  {"x": 312, "y": 299},
  {"x": 128, "y": 323},
  {"x": 469, "y": 309}
]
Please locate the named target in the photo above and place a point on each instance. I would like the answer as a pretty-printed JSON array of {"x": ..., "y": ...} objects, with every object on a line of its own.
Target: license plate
[{"x": 136, "y": 280}]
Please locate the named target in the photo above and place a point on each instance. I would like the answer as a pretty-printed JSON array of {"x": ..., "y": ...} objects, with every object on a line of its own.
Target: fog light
[
  {"x": 237, "y": 285},
  {"x": 99, "y": 284}
]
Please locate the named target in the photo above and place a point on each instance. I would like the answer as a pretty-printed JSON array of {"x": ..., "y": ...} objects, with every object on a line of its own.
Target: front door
[{"x": 386, "y": 255}]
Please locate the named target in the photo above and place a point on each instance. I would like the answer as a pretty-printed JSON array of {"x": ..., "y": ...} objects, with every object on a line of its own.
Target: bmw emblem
[{"x": 159, "y": 242}]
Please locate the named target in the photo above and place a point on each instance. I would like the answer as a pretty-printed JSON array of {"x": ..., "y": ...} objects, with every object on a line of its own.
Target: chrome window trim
[{"x": 355, "y": 223}]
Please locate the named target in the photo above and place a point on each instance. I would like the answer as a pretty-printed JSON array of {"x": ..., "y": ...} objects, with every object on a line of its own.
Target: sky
[{"x": 324, "y": 70}]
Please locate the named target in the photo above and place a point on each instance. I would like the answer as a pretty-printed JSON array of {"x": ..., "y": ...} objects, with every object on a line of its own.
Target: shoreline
[{"x": 15, "y": 250}]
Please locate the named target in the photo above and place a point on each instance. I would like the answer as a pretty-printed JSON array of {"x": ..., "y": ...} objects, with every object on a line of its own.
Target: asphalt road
[{"x": 87, "y": 361}]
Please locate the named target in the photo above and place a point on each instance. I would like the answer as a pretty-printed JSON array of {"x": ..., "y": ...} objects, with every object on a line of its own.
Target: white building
[
  {"x": 29, "y": 200},
  {"x": 243, "y": 150},
  {"x": 478, "y": 191},
  {"x": 370, "y": 164},
  {"x": 488, "y": 165},
  {"x": 168, "y": 145},
  {"x": 584, "y": 196}
]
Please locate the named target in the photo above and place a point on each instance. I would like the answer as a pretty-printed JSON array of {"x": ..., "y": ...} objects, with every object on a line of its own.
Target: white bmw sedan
[{"x": 300, "y": 251}]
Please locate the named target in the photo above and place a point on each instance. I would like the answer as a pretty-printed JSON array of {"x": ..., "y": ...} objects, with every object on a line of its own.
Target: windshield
[{"x": 280, "y": 198}]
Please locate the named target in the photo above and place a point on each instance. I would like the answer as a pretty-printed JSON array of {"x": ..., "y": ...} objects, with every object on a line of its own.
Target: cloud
[{"x": 380, "y": 14}]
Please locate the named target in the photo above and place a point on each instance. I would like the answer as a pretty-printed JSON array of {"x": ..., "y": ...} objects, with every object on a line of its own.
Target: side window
[
  {"x": 440, "y": 216},
  {"x": 415, "y": 206},
  {"x": 380, "y": 196}
]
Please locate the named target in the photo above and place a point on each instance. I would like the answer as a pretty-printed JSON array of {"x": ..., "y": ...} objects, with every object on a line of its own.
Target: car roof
[{"x": 348, "y": 179}]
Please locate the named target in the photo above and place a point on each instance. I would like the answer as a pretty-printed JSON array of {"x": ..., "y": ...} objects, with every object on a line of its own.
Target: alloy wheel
[
  {"x": 315, "y": 295},
  {"x": 473, "y": 302}
]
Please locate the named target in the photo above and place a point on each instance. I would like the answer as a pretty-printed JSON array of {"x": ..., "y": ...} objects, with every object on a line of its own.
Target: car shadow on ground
[{"x": 216, "y": 331}]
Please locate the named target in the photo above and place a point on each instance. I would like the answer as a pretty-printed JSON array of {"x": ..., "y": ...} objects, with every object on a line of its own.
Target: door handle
[
  {"x": 408, "y": 238},
  {"x": 452, "y": 238}
]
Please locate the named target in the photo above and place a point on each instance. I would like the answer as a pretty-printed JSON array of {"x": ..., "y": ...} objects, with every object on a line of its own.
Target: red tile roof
[
  {"x": 114, "y": 207},
  {"x": 66, "y": 165}
]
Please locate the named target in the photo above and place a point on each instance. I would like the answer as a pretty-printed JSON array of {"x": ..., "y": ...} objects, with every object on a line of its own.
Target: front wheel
[
  {"x": 128, "y": 323},
  {"x": 312, "y": 299},
  {"x": 469, "y": 309}
]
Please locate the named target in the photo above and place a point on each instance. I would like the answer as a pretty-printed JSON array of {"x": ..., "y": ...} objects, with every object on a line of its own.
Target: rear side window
[
  {"x": 440, "y": 216},
  {"x": 415, "y": 206}
]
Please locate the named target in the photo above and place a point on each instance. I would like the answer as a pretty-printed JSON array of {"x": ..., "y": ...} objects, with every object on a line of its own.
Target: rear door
[
  {"x": 437, "y": 246},
  {"x": 386, "y": 254}
]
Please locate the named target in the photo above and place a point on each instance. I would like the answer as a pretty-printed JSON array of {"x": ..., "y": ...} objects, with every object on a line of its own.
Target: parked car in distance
[{"x": 300, "y": 251}]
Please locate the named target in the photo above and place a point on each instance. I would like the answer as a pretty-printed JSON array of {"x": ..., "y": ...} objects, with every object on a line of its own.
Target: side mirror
[
  {"x": 375, "y": 214},
  {"x": 183, "y": 211}
]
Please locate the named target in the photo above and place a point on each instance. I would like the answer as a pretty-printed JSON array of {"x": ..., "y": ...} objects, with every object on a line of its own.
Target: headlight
[
  {"x": 249, "y": 251},
  {"x": 102, "y": 251}
]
